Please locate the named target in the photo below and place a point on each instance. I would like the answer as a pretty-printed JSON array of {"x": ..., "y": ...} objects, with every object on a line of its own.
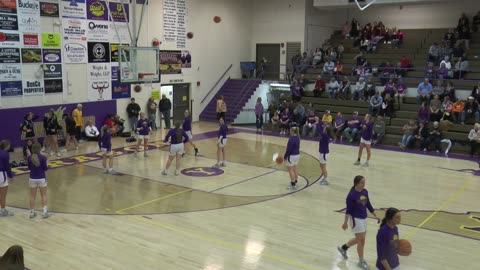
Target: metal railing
[
  {"x": 218, "y": 81},
  {"x": 242, "y": 94}
]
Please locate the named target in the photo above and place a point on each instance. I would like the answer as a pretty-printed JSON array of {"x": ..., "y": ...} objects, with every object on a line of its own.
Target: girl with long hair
[
  {"x": 324, "y": 151},
  {"x": 28, "y": 127},
  {"x": 5, "y": 174},
  {"x": 177, "y": 138},
  {"x": 387, "y": 241},
  {"x": 365, "y": 140},
  {"x": 221, "y": 142},
  {"x": 106, "y": 147},
  {"x": 187, "y": 127},
  {"x": 13, "y": 258},
  {"x": 292, "y": 156},
  {"x": 37, "y": 164},
  {"x": 51, "y": 126},
  {"x": 358, "y": 202},
  {"x": 144, "y": 130}
]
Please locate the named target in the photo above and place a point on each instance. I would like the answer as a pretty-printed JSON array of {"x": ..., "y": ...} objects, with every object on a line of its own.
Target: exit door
[{"x": 181, "y": 100}]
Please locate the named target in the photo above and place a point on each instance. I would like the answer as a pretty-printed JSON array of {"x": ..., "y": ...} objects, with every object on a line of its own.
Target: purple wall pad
[{"x": 97, "y": 110}]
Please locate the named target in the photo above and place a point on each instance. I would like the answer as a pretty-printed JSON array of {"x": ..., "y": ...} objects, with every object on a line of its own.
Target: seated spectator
[
  {"x": 13, "y": 259},
  {"x": 470, "y": 111},
  {"x": 285, "y": 119},
  {"x": 457, "y": 52},
  {"x": 344, "y": 88},
  {"x": 332, "y": 88},
  {"x": 461, "y": 68},
  {"x": 388, "y": 71},
  {"x": 272, "y": 108},
  {"x": 338, "y": 70},
  {"x": 303, "y": 82},
  {"x": 423, "y": 113},
  {"x": 457, "y": 109},
  {"x": 319, "y": 87},
  {"x": 448, "y": 66},
  {"x": 346, "y": 30},
  {"x": 119, "y": 124},
  {"x": 444, "y": 51},
  {"x": 298, "y": 118},
  {"x": 408, "y": 134},
  {"x": 327, "y": 122},
  {"x": 398, "y": 40},
  {"x": 430, "y": 71},
  {"x": 405, "y": 66},
  {"x": 375, "y": 104},
  {"x": 27, "y": 149},
  {"x": 365, "y": 70},
  {"x": 317, "y": 57},
  {"x": 387, "y": 108},
  {"x": 435, "y": 137},
  {"x": 275, "y": 119},
  {"x": 476, "y": 22},
  {"x": 311, "y": 124},
  {"x": 365, "y": 45},
  {"x": 389, "y": 88},
  {"x": 370, "y": 89},
  {"x": 450, "y": 92},
  {"x": 400, "y": 90},
  {"x": 442, "y": 72},
  {"x": 474, "y": 139},
  {"x": 109, "y": 121},
  {"x": 476, "y": 92},
  {"x": 332, "y": 54},
  {"x": 91, "y": 131},
  {"x": 464, "y": 36},
  {"x": 438, "y": 89},
  {"x": 353, "y": 126},
  {"x": 421, "y": 134},
  {"x": 378, "y": 130},
  {"x": 296, "y": 90},
  {"x": 446, "y": 108},
  {"x": 435, "y": 109},
  {"x": 340, "y": 50},
  {"x": 449, "y": 38},
  {"x": 434, "y": 53},
  {"x": 424, "y": 91},
  {"x": 304, "y": 63},
  {"x": 359, "y": 89},
  {"x": 359, "y": 59},
  {"x": 338, "y": 126},
  {"x": 328, "y": 67}
]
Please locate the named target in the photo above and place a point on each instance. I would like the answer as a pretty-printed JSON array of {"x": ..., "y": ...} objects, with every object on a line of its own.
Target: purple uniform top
[
  {"x": 222, "y": 132},
  {"x": 285, "y": 117},
  {"x": 401, "y": 87},
  {"x": 357, "y": 125},
  {"x": 293, "y": 147},
  {"x": 357, "y": 204},
  {"x": 5, "y": 168},
  {"x": 187, "y": 124},
  {"x": 106, "y": 141},
  {"x": 259, "y": 110},
  {"x": 387, "y": 246},
  {"x": 172, "y": 136},
  {"x": 37, "y": 172},
  {"x": 145, "y": 127},
  {"x": 367, "y": 133},
  {"x": 311, "y": 119},
  {"x": 389, "y": 88},
  {"x": 323, "y": 142}
]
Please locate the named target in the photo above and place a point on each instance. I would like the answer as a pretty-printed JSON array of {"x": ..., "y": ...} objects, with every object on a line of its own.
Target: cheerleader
[
  {"x": 37, "y": 164},
  {"x": 387, "y": 241},
  {"x": 50, "y": 124},
  {"x": 28, "y": 128},
  {"x": 144, "y": 131},
  {"x": 71, "y": 131},
  {"x": 324, "y": 151},
  {"x": 106, "y": 147},
  {"x": 221, "y": 142},
  {"x": 5, "y": 174},
  {"x": 292, "y": 156},
  {"x": 356, "y": 214},
  {"x": 177, "y": 138},
  {"x": 187, "y": 127},
  {"x": 365, "y": 140}
]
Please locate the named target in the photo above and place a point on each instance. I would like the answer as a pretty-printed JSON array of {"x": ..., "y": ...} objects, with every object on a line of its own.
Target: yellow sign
[
  {"x": 155, "y": 94},
  {"x": 184, "y": 98},
  {"x": 51, "y": 40}
]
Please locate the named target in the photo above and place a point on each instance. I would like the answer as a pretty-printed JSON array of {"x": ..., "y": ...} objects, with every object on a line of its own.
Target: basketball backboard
[{"x": 138, "y": 64}]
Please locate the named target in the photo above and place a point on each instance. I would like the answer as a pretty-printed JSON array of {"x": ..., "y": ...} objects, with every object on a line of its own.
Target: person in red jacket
[{"x": 319, "y": 86}]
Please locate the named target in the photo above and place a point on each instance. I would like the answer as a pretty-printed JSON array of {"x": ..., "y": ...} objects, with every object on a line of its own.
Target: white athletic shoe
[
  {"x": 343, "y": 252},
  {"x": 365, "y": 164},
  {"x": 364, "y": 265},
  {"x": 356, "y": 163},
  {"x": 32, "y": 214},
  {"x": 145, "y": 154},
  {"x": 165, "y": 172},
  {"x": 324, "y": 182},
  {"x": 176, "y": 172},
  {"x": 216, "y": 166},
  {"x": 45, "y": 214},
  {"x": 6, "y": 213},
  {"x": 105, "y": 170},
  {"x": 223, "y": 164},
  {"x": 113, "y": 172}
]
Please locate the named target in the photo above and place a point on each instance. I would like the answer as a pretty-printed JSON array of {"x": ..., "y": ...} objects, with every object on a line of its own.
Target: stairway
[{"x": 236, "y": 93}]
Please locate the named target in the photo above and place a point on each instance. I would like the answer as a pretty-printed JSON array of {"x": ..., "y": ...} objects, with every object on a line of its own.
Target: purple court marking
[{"x": 202, "y": 172}]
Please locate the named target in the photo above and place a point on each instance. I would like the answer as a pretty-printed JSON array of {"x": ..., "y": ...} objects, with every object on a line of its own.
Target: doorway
[
  {"x": 271, "y": 53},
  {"x": 179, "y": 94}
]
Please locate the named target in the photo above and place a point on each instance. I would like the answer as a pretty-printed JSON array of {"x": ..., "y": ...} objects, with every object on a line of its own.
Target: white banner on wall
[
  {"x": 10, "y": 72},
  {"x": 74, "y": 40},
  {"x": 98, "y": 31},
  {"x": 74, "y": 29},
  {"x": 29, "y": 16},
  {"x": 75, "y": 52},
  {"x": 99, "y": 78},
  {"x": 122, "y": 29},
  {"x": 169, "y": 20},
  {"x": 181, "y": 24},
  {"x": 73, "y": 9}
]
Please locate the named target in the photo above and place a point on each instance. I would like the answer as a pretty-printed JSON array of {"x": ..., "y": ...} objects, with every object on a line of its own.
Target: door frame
[
  {"x": 189, "y": 103},
  {"x": 279, "y": 55}
]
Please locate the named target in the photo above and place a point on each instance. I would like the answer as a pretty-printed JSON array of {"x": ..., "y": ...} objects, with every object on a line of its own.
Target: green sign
[{"x": 51, "y": 40}]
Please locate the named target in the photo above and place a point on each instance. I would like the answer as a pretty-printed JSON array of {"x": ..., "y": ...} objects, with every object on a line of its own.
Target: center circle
[{"x": 202, "y": 172}]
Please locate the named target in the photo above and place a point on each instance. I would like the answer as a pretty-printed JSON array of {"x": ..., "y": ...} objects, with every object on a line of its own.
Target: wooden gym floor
[{"x": 240, "y": 216}]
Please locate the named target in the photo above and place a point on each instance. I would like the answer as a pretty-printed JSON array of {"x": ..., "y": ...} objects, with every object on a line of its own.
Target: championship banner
[
  {"x": 99, "y": 78},
  {"x": 10, "y": 56},
  {"x": 29, "y": 16},
  {"x": 8, "y": 6},
  {"x": 11, "y": 88},
  {"x": 170, "y": 62},
  {"x": 31, "y": 55},
  {"x": 10, "y": 72},
  {"x": 98, "y": 31},
  {"x": 98, "y": 52},
  {"x": 51, "y": 40},
  {"x": 73, "y": 9},
  {"x": 8, "y": 22},
  {"x": 97, "y": 10},
  {"x": 48, "y": 9},
  {"x": 9, "y": 39}
]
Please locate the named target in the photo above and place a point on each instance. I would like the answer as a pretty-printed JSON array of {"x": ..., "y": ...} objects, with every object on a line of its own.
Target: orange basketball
[
  {"x": 189, "y": 35},
  {"x": 404, "y": 247},
  {"x": 217, "y": 19},
  {"x": 279, "y": 160},
  {"x": 137, "y": 88}
]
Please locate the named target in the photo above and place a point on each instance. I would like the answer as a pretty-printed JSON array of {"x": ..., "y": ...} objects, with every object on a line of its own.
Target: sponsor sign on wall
[
  {"x": 48, "y": 9},
  {"x": 53, "y": 86},
  {"x": 73, "y": 9},
  {"x": 33, "y": 87},
  {"x": 98, "y": 31},
  {"x": 29, "y": 16},
  {"x": 115, "y": 53},
  {"x": 119, "y": 12},
  {"x": 8, "y": 6},
  {"x": 53, "y": 71},
  {"x": 11, "y": 88},
  {"x": 75, "y": 52},
  {"x": 9, "y": 39},
  {"x": 97, "y": 10},
  {"x": 51, "y": 40},
  {"x": 10, "y": 55},
  {"x": 99, "y": 77},
  {"x": 30, "y": 40},
  {"x": 98, "y": 52},
  {"x": 8, "y": 22},
  {"x": 52, "y": 56},
  {"x": 74, "y": 29},
  {"x": 123, "y": 34},
  {"x": 119, "y": 90},
  {"x": 31, "y": 55},
  {"x": 10, "y": 72}
]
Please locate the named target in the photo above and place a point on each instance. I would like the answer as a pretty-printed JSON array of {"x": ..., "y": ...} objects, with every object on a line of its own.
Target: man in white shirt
[
  {"x": 328, "y": 67},
  {"x": 91, "y": 131},
  {"x": 474, "y": 139}
]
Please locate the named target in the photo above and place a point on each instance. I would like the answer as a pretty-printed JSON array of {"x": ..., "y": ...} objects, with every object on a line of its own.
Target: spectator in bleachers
[
  {"x": 353, "y": 126},
  {"x": 474, "y": 139},
  {"x": 346, "y": 30},
  {"x": 359, "y": 59},
  {"x": 370, "y": 89},
  {"x": 354, "y": 31},
  {"x": 311, "y": 124},
  {"x": 332, "y": 54},
  {"x": 275, "y": 119},
  {"x": 434, "y": 136},
  {"x": 463, "y": 29},
  {"x": 304, "y": 63},
  {"x": 408, "y": 134},
  {"x": 476, "y": 92},
  {"x": 434, "y": 53},
  {"x": 404, "y": 66},
  {"x": 365, "y": 45},
  {"x": 450, "y": 92},
  {"x": 338, "y": 126},
  {"x": 398, "y": 40},
  {"x": 444, "y": 51},
  {"x": 378, "y": 130},
  {"x": 296, "y": 90},
  {"x": 400, "y": 90},
  {"x": 344, "y": 88},
  {"x": 332, "y": 88},
  {"x": 442, "y": 73},
  {"x": 438, "y": 89},
  {"x": 327, "y": 120},
  {"x": 389, "y": 88},
  {"x": 457, "y": 52},
  {"x": 13, "y": 259},
  {"x": 470, "y": 111},
  {"x": 421, "y": 134},
  {"x": 319, "y": 87},
  {"x": 340, "y": 50},
  {"x": 366, "y": 70},
  {"x": 359, "y": 89},
  {"x": 317, "y": 57},
  {"x": 272, "y": 108},
  {"x": 430, "y": 71},
  {"x": 375, "y": 104},
  {"x": 476, "y": 22},
  {"x": 449, "y": 38},
  {"x": 303, "y": 82},
  {"x": 423, "y": 113},
  {"x": 446, "y": 108},
  {"x": 298, "y": 118},
  {"x": 338, "y": 69},
  {"x": 435, "y": 109},
  {"x": 388, "y": 71},
  {"x": 461, "y": 68},
  {"x": 387, "y": 108},
  {"x": 424, "y": 91},
  {"x": 296, "y": 59},
  {"x": 457, "y": 109},
  {"x": 328, "y": 67},
  {"x": 285, "y": 119}
]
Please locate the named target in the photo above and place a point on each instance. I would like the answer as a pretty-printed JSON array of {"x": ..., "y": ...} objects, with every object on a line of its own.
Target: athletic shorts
[
  {"x": 177, "y": 149},
  {"x": 3, "y": 179},
  {"x": 222, "y": 143},
  {"x": 34, "y": 183},
  {"x": 143, "y": 137},
  {"x": 293, "y": 160},
  {"x": 323, "y": 158},
  {"x": 108, "y": 153},
  {"x": 365, "y": 141},
  {"x": 359, "y": 226},
  {"x": 189, "y": 134},
  {"x": 396, "y": 268}
]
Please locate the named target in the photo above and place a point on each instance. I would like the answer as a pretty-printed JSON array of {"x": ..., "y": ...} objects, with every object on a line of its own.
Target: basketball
[
  {"x": 189, "y": 35},
  {"x": 217, "y": 19},
  {"x": 279, "y": 160},
  {"x": 404, "y": 247},
  {"x": 137, "y": 88}
]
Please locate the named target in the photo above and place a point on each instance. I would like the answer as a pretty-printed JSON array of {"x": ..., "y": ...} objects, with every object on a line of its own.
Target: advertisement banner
[
  {"x": 29, "y": 16},
  {"x": 30, "y": 40},
  {"x": 118, "y": 11},
  {"x": 74, "y": 29},
  {"x": 170, "y": 62},
  {"x": 53, "y": 86},
  {"x": 97, "y": 10},
  {"x": 52, "y": 56},
  {"x": 8, "y": 22},
  {"x": 123, "y": 34},
  {"x": 99, "y": 77},
  {"x": 9, "y": 39},
  {"x": 8, "y": 6},
  {"x": 10, "y": 72},
  {"x": 33, "y": 87},
  {"x": 51, "y": 40},
  {"x": 115, "y": 53},
  {"x": 73, "y": 9},
  {"x": 119, "y": 90},
  {"x": 11, "y": 88},
  {"x": 31, "y": 55},
  {"x": 48, "y": 9},
  {"x": 53, "y": 71},
  {"x": 98, "y": 52},
  {"x": 98, "y": 31},
  {"x": 10, "y": 55},
  {"x": 75, "y": 52}
]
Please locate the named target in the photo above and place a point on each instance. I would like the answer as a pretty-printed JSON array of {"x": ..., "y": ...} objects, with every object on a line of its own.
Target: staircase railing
[
  {"x": 243, "y": 93},
  {"x": 218, "y": 81}
]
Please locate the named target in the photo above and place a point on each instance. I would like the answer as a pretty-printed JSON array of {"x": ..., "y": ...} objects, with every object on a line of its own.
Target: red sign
[{"x": 30, "y": 40}]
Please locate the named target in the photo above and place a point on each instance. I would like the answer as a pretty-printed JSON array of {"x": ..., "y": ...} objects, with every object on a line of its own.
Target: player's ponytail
[
  {"x": 356, "y": 180},
  {"x": 389, "y": 214},
  {"x": 35, "y": 152},
  {"x": 178, "y": 131},
  {"x": 103, "y": 131}
]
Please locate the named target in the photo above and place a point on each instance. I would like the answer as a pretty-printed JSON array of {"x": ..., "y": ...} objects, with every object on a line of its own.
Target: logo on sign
[
  {"x": 74, "y": 22},
  {"x": 51, "y": 57},
  {"x": 75, "y": 48},
  {"x": 97, "y": 9},
  {"x": 73, "y": 3},
  {"x": 49, "y": 8},
  {"x": 30, "y": 21},
  {"x": 28, "y": 4},
  {"x": 94, "y": 26},
  {"x": 52, "y": 68},
  {"x": 98, "y": 51}
]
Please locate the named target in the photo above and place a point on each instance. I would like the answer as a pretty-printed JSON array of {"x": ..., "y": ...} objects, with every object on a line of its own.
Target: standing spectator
[
  {"x": 387, "y": 106},
  {"x": 332, "y": 88},
  {"x": 370, "y": 89},
  {"x": 133, "y": 109},
  {"x": 474, "y": 139},
  {"x": 296, "y": 90},
  {"x": 70, "y": 131},
  {"x": 51, "y": 126},
  {"x": 424, "y": 91},
  {"x": 375, "y": 104},
  {"x": 435, "y": 137},
  {"x": 476, "y": 22},
  {"x": 259, "y": 111},
  {"x": 344, "y": 88},
  {"x": 152, "y": 113},
  {"x": 78, "y": 117},
  {"x": 320, "y": 86},
  {"x": 423, "y": 113},
  {"x": 461, "y": 68},
  {"x": 359, "y": 89},
  {"x": 353, "y": 126},
  {"x": 13, "y": 259},
  {"x": 400, "y": 91},
  {"x": 221, "y": 108},
  {"x": 408, "y": 134},
  {"x": 165, "y": 106},
  {"x": 435, "y": 109},
  {"x": 378, "y": 130},
  {"x": 91, "y": 131},
  {"x": 339, "y": 126},
  {"x": 470, "y": 111}
]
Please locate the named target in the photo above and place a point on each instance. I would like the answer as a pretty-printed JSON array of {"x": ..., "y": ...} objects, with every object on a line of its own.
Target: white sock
[
  {"x": 111, "y": 169},
  {"x": 45, "y": 209}
]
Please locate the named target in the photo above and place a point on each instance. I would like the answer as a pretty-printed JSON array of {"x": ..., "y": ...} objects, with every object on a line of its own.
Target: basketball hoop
[{"x": 366, "y": 6}]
